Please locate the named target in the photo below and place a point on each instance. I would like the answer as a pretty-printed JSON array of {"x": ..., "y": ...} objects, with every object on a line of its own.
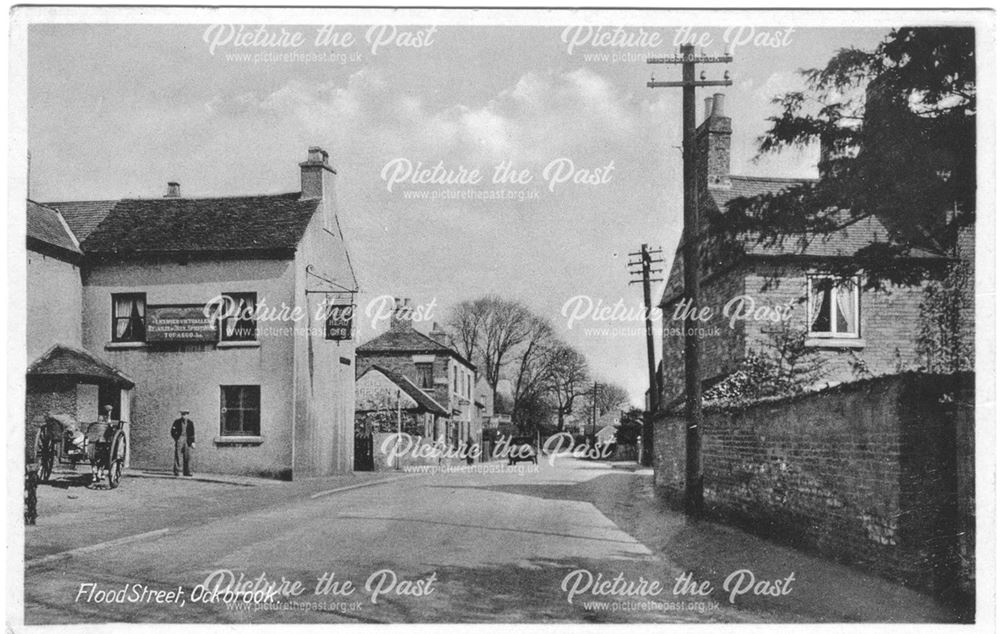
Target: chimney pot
[
  {"x": 173, "y": 190},
  {"x": 718, "y": 105},
  {"x": 708, "y": 107}
]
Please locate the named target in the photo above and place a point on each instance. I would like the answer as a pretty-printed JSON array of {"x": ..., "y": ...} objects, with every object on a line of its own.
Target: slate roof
[
  {"x": 45, "y": 227},
  {"x": 750, "y": 186},
  {"x": 236, "y": 224},
  {"x": 407, "y": 340},
  {"x": 63, "y": 360},
  {"x": 83, "y": 216},
  {"x": 410, "y": 388},
  {"x": 841, "y": 243}
]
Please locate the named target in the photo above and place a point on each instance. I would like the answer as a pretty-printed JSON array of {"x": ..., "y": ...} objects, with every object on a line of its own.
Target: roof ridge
[{"x": 778, "y": 179}]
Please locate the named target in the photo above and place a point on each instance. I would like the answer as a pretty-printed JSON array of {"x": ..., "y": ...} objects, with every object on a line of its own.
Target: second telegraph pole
[
  {"x": 646, "y": 262},
  {"x": 694, "y": 490}
]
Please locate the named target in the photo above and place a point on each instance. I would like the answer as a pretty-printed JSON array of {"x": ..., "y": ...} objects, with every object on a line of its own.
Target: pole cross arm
[
  {"x": 694, "y": 84},
  {"x": 688, "y": 59}
]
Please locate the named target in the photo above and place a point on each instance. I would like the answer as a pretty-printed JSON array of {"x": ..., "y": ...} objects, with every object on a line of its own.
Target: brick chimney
[
  {"x": 173, "y": 190},
  {"x": 713, "y": 139},
  {"x": 438, "y": 334},
  {"x": 402, "y": 315},
  {"x": 318, "y": 182}
]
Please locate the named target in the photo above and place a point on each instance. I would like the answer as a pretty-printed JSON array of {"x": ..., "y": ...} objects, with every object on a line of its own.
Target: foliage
[
  {"x": 942, "y": 340},
  {"x": 782, "y": 366},
  {"x": 630, "y": 427},
  {"x": 897, "y": 128}
]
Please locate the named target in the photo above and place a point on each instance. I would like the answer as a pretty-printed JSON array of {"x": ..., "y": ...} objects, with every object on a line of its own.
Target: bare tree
[
  {"x": 569, "y": 378},
  {"x": 532, "y": 365},
  {"x": 491, "y": 329},
  {"x": 608, "y": 397},
  {"x": 466, "y": 324}
]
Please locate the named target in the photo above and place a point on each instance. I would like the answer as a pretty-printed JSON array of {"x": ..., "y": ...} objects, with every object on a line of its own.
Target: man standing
[{"x": 182, "y": 432}]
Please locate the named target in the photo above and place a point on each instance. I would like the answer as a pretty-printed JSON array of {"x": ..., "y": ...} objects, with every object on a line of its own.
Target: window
[
  {"x": 239, "y": 321},
  {"x": 454, "y": 379},
  {"x": 833, "y": 306},
  {"x": 240, "y": 412},
  {"x": 128, "y": 317},
  {"x": 425, "y": 376}
]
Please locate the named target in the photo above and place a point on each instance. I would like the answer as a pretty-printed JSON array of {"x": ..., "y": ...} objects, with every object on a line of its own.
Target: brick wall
[{"x": 876, "y": 474}]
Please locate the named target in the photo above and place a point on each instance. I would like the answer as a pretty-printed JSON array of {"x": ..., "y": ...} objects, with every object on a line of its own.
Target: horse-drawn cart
[{"x": 104, "y": 445}]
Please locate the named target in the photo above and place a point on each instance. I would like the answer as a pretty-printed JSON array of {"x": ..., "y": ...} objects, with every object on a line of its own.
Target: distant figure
[{"x": 182, "y": 432}]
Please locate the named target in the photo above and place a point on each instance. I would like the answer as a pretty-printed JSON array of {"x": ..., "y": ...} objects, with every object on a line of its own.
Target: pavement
[{"x": 576, "y": 541}]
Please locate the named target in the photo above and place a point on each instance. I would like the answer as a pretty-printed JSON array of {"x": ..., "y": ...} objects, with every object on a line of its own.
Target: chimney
[
  {"x": 438, "y": 334},
  {"x": 713, "y": 140},
  {"x": 402, "y": 315},
  {"x": 317, "y": 175},
  {"x": 173, "y": 190}
]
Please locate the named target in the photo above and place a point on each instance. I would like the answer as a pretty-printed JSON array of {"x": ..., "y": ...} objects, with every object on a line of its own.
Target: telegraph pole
[
  {"x": 694, "y": 490},
  {"x": 646, "y": 261}
]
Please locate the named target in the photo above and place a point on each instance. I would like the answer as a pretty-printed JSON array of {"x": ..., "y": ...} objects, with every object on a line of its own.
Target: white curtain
[
  {"x": 845, "y": 307},
  {"x": 127, "y": 310}
]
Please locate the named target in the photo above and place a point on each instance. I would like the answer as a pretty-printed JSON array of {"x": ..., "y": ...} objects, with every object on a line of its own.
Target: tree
[
  {"x": 489, "y": 329},
  {"x": 465, "y": 323},
  {"x": 532, "y": 367},
  {"x": 608, "y": 397},
  {"x": 569, "y": 379},
  {"x": 897, "y": 128}
]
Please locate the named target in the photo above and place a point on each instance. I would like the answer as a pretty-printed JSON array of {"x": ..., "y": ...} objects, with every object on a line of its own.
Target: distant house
[
  {"x": 852, "y": 330},
  {"x": 388, "y": 402},
  {"x": 433, "y": 366},
  {"x": 175, "y": 292}
]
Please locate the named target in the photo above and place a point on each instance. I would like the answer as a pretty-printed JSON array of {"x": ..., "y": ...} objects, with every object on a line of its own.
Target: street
[{"x": 515, "y": 545}]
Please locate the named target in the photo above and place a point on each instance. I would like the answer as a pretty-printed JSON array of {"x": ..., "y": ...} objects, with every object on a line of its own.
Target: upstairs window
[
  {"x": 128, "y": 317},
  {"x": 425, "y": 376},
  {"x": 239, "y": 321},
  {"x": 834, "y": 307}
]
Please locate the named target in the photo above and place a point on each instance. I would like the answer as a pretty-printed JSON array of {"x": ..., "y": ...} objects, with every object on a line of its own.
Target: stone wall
[{"x": 877, "y": 474}]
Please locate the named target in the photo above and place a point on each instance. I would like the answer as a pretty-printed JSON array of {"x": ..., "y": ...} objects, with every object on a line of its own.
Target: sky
[{"x": 117, "y": 111}]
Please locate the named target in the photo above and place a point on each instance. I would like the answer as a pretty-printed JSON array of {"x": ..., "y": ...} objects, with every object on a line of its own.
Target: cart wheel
[
  {"x": 44, "y": 456},
  {"x": 116, "y": 460}
]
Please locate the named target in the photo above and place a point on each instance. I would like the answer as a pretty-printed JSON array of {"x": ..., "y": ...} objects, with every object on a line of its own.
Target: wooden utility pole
[
  {"x": 645, "y": 263},
  {"x": 694, "y": 490}
]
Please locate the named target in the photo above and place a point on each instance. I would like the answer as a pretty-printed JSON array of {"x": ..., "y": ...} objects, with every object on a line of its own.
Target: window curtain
[
  {"x": 123, "y": 308},
  {"x": 821, "y": 306},
  {"x": 129, "y": 314},
  {"x": 845, "y": 307}
]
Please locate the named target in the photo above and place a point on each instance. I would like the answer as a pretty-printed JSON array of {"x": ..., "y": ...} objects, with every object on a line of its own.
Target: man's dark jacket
[{"x": 175, "y": 430}]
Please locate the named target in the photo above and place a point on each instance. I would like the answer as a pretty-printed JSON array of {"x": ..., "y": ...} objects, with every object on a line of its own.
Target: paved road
[{"x": 446, "y": 547}]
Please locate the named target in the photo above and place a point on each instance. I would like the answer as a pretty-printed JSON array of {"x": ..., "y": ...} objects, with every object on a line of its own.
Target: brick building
[
  {"x": 775, "y": 288},
  {"x": 431, "y": 364}
]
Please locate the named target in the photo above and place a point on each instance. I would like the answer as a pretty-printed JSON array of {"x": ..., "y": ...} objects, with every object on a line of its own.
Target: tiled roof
[
  {"x": 83, "y": 216},
  {"x": 750, "y": 186},
  {"x": 45, "y": 225},
  {"x": 192, "y": 225},
  {"x": 63, "y": 360},
  {"x": 407, "y": 340},
  {"x": 844, "y": 242},
  {"x": 422, "y": 398}
]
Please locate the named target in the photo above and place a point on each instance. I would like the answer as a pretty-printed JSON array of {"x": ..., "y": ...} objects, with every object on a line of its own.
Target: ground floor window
[{"x": 240, "y": 412}]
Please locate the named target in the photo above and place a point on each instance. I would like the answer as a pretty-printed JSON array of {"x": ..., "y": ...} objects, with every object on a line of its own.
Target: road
[{"x": 510, "y": 546}]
